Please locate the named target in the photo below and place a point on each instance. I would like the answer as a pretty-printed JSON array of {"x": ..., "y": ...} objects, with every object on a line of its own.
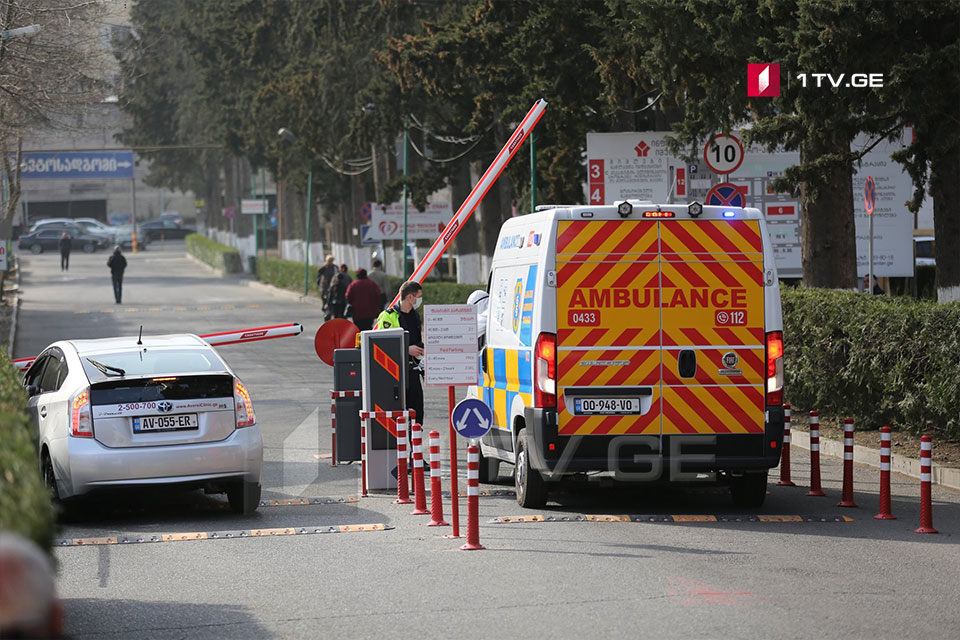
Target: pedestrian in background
[
  {"x": 378, "y": 275},
  {"x": 363, "y": 295},
  {"x": 324, "y": 276},
  {"x": 117, "y": 264},
  {"x": 337, "y": 294},
  {"x": 28, "y": 600},
  {"x": 65, "y": 245}
]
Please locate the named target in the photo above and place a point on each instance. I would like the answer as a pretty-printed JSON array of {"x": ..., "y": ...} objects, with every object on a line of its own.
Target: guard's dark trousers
[{"x": 117, "y": 287}]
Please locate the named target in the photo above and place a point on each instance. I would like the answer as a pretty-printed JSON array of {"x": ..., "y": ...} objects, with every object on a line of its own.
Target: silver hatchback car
[{"x": 156, "y": 410}]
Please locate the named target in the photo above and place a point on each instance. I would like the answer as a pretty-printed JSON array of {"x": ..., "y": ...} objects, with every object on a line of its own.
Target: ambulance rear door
[
  {"x": 608, "y": 327},
  {"x": 712, "y": 314}
]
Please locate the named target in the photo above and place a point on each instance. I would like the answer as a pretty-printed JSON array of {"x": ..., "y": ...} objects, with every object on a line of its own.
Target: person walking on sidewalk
[
  {"x": 363, "y": 295},
  {"x": 117, "y": 264},
  {"x": 378, "y": 276},
  {"x": 65, "y": 245}
]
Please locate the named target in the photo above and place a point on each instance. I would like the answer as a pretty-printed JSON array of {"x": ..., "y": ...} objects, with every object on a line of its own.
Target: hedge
[
  {"x": 877, "y": 359},
  {"x": 25, "y": 505},
  {"x": 216, "y": 255}
]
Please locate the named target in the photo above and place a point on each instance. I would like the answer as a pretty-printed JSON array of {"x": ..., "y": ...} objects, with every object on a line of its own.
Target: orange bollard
[
  {"x": 885, "y": 513},
  {"x": 785, "y": 454},
  {"x": 926, "y": 502},
  {"x": 846, "y": 499},
  {"x": 436, "y": 499},
  {"x": 363, "y": 456},
  {"x": 473, "y": 500},
  {"x": 815, "y": 488},
  {"x": 420, "y": 505},
  {"x": 403, "y": 489}
]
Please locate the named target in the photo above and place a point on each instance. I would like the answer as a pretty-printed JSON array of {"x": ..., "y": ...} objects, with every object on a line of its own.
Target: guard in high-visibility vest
[{"x": 404, "y": 315}]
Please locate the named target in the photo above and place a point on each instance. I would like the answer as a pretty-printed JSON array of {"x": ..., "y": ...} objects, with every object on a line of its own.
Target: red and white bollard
[
  {"x": 846, "y": 499},
  {"x": 363, "y": 457},
  {"x": 403, "y": 487},
  {"x": 785, "y": 454},
  {"x": 926, "y": 502},
  {"x": 436, "y": 499},
  {"x": 333, "y": 428},
  {"x": 885, "y": 513},
  {"x": 473, "y": 499},
  {"x": 815, "y": 488},
  {"x": 420, "y": 497}
]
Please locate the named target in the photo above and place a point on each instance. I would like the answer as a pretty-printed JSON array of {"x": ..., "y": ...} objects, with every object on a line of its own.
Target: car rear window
[{"x": 159, "y": 362}]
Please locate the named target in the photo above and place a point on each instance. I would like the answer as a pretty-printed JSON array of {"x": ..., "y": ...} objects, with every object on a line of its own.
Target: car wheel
[
  {"x": 244, "y": 497},
  {"x": 489, "y": 469},
  {"x": 749, "y": 490},
  {"x": 49, "y": 478},
  {"x": 530, "y": 486},
  {"x": 89, "y": 247},
  {"x": 36, "y": 249}
]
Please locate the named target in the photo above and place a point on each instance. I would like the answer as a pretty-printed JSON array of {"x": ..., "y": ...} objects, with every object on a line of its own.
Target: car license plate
[
  {"x": 166, "y": 423},
  {"x": 606, "y": 406}
]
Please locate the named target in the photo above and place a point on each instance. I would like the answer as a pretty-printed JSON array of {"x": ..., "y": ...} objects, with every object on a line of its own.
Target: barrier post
[
  {"x": 815, "y": 488},
  {"x": 363, "y": 457},
  {"x": 846, "y": 499},
  {"x": 403, "y": 488},
  {"x": 454, "y": 467},
  {"x": 333, "y": 427},
  {"x": 885, "y": 513},
  {"x": 436, "y": 498},
  {"x": 926, "y": 502},
  {"x": 473, "y": 499},
  {"x": 420, "y": 504},
  {"x": 785, "y": 454}
]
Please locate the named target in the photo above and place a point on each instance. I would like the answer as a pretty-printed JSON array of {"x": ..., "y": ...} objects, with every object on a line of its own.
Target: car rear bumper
[
  {"x": 87, "y": 465},
  {"x": 653, "y": 457}
]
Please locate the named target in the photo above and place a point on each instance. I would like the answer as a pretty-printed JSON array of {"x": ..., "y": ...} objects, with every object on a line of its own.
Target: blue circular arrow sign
[{"x": 472, "y": 418}]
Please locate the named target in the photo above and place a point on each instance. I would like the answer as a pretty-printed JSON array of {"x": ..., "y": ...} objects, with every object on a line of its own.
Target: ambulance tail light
[
  {"x": 775, "y": 368},
  {"x": 81, "y": 420},
  {"x": 545, "y": 371},
  {"x": 244, "y": 405}
]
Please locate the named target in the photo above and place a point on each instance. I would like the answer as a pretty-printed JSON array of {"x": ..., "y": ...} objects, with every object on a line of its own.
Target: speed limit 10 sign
[{"x": 723, "y": 153}]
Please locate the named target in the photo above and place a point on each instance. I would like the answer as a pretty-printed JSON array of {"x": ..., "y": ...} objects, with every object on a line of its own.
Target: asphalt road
[{"x": 856, "y": 577}]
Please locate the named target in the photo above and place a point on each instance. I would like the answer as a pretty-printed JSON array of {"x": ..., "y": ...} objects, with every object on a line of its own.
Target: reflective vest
[{"x": 388, "y": 319}]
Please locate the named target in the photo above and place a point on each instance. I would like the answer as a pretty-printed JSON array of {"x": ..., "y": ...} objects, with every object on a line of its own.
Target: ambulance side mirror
[{"x": 483, "y": 359}]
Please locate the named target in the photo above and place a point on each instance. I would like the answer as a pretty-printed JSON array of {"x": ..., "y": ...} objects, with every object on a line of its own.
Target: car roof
[{"x": 107, "y": 345}]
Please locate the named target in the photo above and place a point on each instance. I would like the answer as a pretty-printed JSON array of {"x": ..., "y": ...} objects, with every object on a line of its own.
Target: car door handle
[{"x": 43, "y": 412}]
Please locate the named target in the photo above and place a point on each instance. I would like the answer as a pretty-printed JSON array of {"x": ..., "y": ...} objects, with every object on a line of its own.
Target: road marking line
[{"x": 220, "y": 535}]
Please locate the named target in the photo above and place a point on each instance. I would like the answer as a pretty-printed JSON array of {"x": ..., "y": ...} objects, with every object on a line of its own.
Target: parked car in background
[
  {"x": 125, "y": 237},
  {"x": 161, "y": 229},
  {"x": 88, "y": 226},
  {"x": 120, "y": 218},
  {"x": 923, "y": 250},
  {"x": 155, "y": 411},
  {"x": 47, "y": 238},
  {"x": 173, "y": 216}
]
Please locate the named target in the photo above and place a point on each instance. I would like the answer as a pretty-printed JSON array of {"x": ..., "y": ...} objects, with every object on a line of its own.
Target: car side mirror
[
  {"x": 483, "y": 359},
  {"x": 32, "y": 390}
]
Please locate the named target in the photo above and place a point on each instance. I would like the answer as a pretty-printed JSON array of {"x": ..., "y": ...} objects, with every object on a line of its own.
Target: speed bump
[
  {"x": 218, "y": 535},
  {"x": 664, "y": 518},
  {"x": 303, "y": 502}
]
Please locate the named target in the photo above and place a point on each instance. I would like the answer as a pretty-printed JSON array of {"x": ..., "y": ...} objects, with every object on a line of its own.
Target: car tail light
[
  {"x": 81, "y": 420},
  {"x": 775, "y": 368},
  {"x": 245, "y": 415},
  {"x": 545, "y": 371}
]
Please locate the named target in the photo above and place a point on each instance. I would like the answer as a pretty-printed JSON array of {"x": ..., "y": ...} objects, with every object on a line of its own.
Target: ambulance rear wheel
[
  {"x": 530, "y": 486},
  {"x": 749, "y": 490},
  {"x": 489, "y": 469}
]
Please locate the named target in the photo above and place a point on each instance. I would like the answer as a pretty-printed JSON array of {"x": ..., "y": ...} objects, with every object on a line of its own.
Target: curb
[
  {"x": 268, "y": 288},
  {"x": 945, "y": 476}
]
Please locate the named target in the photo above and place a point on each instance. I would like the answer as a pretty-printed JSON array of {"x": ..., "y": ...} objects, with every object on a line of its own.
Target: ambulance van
[{"x": 638, "y": 342}]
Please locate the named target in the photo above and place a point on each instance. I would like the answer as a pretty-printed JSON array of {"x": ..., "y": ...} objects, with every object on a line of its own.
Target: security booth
[
  {"x": 383, "y": 354},
  {"x": 347, "y": 376}
]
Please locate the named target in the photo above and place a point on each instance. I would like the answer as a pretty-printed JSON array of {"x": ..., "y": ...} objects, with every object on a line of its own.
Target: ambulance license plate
[
  {"x": 166, "y": 423},
  {"x": 606, "y": 406}
]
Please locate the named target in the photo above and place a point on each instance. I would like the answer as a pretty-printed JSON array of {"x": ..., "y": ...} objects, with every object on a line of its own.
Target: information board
[
  {"x": 74, "y": 165},
  {"x": 450, "y": 344}
]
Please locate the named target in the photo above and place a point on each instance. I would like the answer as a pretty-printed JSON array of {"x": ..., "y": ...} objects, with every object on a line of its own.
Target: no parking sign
[{"x": 726, "y": 194}]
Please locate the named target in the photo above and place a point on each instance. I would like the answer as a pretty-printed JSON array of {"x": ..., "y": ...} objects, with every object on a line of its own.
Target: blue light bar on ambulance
[
  {"x": 658, "y": 214},
  {"x": 729, "y": 214}
]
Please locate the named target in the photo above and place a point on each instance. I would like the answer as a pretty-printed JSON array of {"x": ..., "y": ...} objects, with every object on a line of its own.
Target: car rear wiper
[{"x": 105, "y": 369}]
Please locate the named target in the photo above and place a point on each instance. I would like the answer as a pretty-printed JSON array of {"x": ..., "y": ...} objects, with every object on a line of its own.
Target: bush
[
  {"x": 25, "y": 505},
  {"x": 216, "y": 255},
  {"x": 877, "y": 359},
  {"x": 287, "y": 274}
]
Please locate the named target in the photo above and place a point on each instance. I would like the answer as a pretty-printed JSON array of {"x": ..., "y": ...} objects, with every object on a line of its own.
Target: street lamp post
[{"x": 290, "y": 136}]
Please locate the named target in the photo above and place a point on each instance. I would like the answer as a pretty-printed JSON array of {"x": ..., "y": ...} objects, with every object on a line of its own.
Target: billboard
[{"x": 386, "y": 221}]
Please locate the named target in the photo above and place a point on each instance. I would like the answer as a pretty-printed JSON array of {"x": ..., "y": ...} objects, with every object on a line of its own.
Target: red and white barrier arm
[
  {"x": 219, "y": 339},
  {"x": 466, "y": 209}
]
